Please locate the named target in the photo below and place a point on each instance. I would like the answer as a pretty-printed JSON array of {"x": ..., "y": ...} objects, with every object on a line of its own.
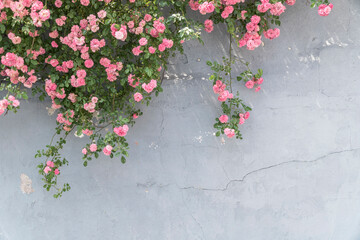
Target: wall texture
[{"x": 294, "y": 176}]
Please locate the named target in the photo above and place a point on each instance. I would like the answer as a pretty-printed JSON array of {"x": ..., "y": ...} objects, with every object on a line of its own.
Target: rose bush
[{"x": 98, "y": 59}]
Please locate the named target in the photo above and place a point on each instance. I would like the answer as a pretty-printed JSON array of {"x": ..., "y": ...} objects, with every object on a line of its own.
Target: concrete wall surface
[{"x": 294, "y": 176}]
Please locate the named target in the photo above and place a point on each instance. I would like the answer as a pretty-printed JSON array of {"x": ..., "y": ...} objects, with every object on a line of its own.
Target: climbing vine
[{"x": 98, "y": 60}]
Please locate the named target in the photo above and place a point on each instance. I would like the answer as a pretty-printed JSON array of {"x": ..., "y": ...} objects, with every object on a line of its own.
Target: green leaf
[
  {"x": 25, "y": 96},
  {"x": 148, "y": 71},
  {"x": 2, "y": 28}
]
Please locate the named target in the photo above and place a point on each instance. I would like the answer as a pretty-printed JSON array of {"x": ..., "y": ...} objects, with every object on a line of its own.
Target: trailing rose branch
[{"x": 100, "y": 59}]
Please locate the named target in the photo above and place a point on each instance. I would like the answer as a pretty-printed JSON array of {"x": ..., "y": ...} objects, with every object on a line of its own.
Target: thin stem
[
  {"x": 245, "y": 63},
  {"x": 32, "y": 44},
  {"x": 101, "y": 128},
  {"x": 52, "y": 139},
  {"x": 230, "y": 61}
]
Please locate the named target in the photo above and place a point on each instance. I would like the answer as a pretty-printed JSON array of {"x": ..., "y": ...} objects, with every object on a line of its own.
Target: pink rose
[
  {"x": 162, "y": 47},
  {"x": 143, "y": 41},
  {"x": 229, "y": 132},
  {"x": 56, "y": 171},
  {"x": 324, "y": 10},
  {"x": 85, "y": 2},
  {"x": 107, "y": 150},
  {"x": 44, "y": 14},
  {"x": 81, "y": 73},
  {"x": 50, "y": 164},
  {"x": 87, "y": 132},
  {"x": 277, "y": 9},
  {"x": 105, "y": 62},
  {"x": 210, "y": 7},
  {"x": 136, "y": 51},
  {"x": 243, "y": 14},
  {"x": 84, "y": 151},
  {"x": 150, "y": 86},
  {"x": 241, "y": 120},
  {"x": 223, "y": 118},
  {"x": 152, "y": 50},
  {"x": 249, "y": 84},
  {"x": 54, "y": 44},
  {"x": 101, "y": 14},
  {"x": 47, "y": 169},
  {"x": 121, "y": 34},
  {"x": 94, "y": 99},
  {"x": 147, "y": 17},
  {"x": 138, "y": 97},
  {"x": 72, "y": 97},
  {"x": 246, "y": 115},
  {"x": 16, "y": 103},
  {"x": 255, "y": 19},
  {"x": 93, "y": 147},
  {"x": 122, "y": 130},
  {"x": 272, "y": 33},
  {"x": 290, "y": 2},
  {"x": 69, "y": 64},
  {"x": 89, "y": 63}
]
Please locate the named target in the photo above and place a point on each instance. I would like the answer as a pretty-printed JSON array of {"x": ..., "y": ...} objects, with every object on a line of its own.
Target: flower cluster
[
  {"x": 90, "y": 107},
  {"x": 122, "y": 130},
  {"x": 11, "y": 101},
  {"x": 209, "y": 25},
  {"x": 50, "y": 166},
  {"x": 15, "y": 65},
  {"x": 254, "y": 82},
  {"x": 66, "y": 119},
  {"x": 219, "y": 88},
  {"x": 325, "y": 9}
]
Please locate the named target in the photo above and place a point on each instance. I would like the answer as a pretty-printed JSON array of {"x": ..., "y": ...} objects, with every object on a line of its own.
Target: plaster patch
[{"x": 26, "y": 184}]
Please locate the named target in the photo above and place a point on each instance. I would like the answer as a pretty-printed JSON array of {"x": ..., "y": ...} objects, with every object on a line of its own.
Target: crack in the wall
[
  {"x": 242, "y": 179},
  {"x": 161, "y": 125},
  {"x": 266, "y": 168},
  {"x": 192, "y": 216}
]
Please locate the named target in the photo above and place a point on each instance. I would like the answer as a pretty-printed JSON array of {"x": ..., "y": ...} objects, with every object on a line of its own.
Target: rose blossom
[
  {"x": 47, "y": 169},
  {"x": 143, "y": 41},
  {"x": 84, "y": 151},
  {"x": 290, "y": 2},
  {"x": 229, "y": 132},
  {"x": 122, "y": 130},
  {"x": 50, "y": 164},
  {"x": 324, "y": 9},
  {"x": 93, "y": 147},
  {"x": 249, "y": 84},
  {"x": 138, "y": 97},
  {"x": 223, "y": 118},
  {"x": 101, "y": 14},
  {"x": 107, "y": 150}
]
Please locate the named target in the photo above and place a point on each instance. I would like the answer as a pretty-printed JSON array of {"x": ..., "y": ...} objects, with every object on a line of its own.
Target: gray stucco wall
[{"x": 294, "y": 176}]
